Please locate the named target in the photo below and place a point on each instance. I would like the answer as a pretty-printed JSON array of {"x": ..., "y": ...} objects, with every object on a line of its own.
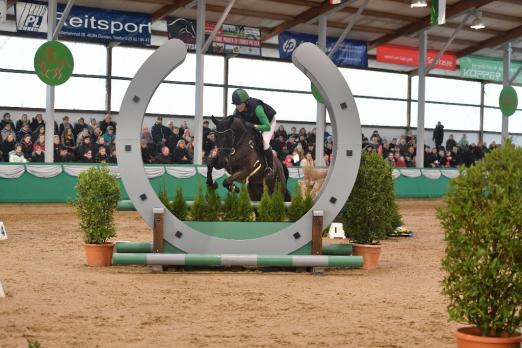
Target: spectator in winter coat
[
  {"x": 8, "y": 145},
  {"x": 109, "y": 135},
  {"x": 21, "y": 122},
  {"x": 23, "y": 132},
  {"x": 37, "y": 122},
  {"x": 107, "y": 121},
  {"x": 63, "y": 156},
  {"x": 463, "y": 141},
  {"x": 147, "y": 155},
  {"x": 102, "y": 156},
  {"x": 38, "y": 155},
  {"x": 181, "y": 154},
  {"x": 27, "y": 146},
  {"x": 40, "y": 142},
  {"x": 66, "y": 125},
  {"x": 450, "y": 143},
  {"x": 281, "y": 132},
  {"x": 5, "y": 120},
  {"x": 36, "y": 134},
  {"x": 438, "y": 134},
  {"x": 160, "y": 133},
  {"x": 87, "y": 157},
  {"x": 80, "y": 126},
  {"x": 164, "y": 157},
  {"x": 17, "y": 155},
  {"x": 390, "y": 160},
  {"x": 145, "y": 135},
  {"x": 6, "y": 130}
]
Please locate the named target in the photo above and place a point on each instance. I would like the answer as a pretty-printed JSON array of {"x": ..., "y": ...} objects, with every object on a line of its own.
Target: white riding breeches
[{"x": 267, "y": 136}]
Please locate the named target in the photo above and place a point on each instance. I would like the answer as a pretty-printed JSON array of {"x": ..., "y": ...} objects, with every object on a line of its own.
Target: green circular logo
[
  {"x": 53, "y": 63},
  {"x": 317, "y": 95},
  {"x": 508, "y": 101}
]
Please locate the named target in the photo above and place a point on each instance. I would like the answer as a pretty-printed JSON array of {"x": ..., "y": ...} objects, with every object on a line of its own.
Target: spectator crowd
[{"x": 94, "y": 142}]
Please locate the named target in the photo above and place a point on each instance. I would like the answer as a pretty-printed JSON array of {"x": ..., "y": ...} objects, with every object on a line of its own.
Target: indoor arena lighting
[
  {"x": 477, "y": 22},
  {"x": 419, "y": 3}
]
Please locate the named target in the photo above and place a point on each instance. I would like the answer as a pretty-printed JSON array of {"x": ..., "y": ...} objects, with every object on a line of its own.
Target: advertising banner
[
  {"x": 485, "y": 68},
  {"x": 403, "y": 55},
  {"x": 229, "y": 39},
  {"x": 86, "y": 23},
  {"x": 350, "y": 53}
]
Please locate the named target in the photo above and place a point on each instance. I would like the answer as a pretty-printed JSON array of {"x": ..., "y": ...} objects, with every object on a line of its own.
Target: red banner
[{"x": 404, "y": 55}]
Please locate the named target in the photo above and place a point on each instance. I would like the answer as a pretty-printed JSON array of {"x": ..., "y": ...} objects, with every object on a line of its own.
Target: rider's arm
[{"x": 263, "y": 119}]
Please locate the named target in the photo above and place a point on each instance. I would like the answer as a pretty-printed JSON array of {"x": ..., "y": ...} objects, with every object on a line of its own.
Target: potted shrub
[
  {"x": 370, "y": 211},
  {"x": 482, "y": 222},
  {"x": 97, "y": 194}
]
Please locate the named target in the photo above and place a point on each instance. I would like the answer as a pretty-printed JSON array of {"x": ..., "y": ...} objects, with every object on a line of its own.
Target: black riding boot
[{"x": 269, "y": 157}]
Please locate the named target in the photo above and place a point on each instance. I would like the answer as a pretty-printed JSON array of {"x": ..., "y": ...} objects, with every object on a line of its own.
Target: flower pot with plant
[
  {"x": 97, "y": 194},
  {"x": 482, "y": 222},
  {"x": 371, "y": 210}
]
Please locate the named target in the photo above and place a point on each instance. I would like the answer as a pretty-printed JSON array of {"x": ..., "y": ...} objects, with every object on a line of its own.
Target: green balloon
[
  {"x": 317, "y": 95},
  {"x": 53, "y": 63},
  {"x": 508, "y": 101}
]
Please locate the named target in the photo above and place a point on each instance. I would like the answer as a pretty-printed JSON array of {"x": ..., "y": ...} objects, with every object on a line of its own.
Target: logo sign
[
  {"x": 3, "y": 232},
  {"x": 53, "y": 63},
  {"x": 229, "y": 39},
  {"x": 350, "y": 53},
  {"x": 486, "y": 68},
  {"x": 508, "y": 101},
  {"x": 86, "y": 23},
  {"x": 403, "y": 55}
]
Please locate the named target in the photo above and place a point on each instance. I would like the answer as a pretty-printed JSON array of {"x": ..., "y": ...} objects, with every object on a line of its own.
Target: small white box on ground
[
  {"x": 2, "y": 293},
  {"x": 336, "y": 231},
  {"x": 3, "y": 232}
]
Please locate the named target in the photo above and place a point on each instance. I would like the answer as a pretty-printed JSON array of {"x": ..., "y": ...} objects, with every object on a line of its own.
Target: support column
[
  {"x": 481, "y": 130},
  {"x": 408, "y": 106},
  {"x": 108, "y": 80},
  {"x": 321, "y": 108},
  {"x": 225, "y": 86},
  {"x": 423, "y": 49},
  {"x": 49, "y": 99},
  {"x": 505, "y": 83},
  {"x": 200, "y": 64}
]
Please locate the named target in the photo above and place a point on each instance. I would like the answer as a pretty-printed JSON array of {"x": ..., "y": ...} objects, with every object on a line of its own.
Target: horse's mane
[{"x": 255, "y": 135}]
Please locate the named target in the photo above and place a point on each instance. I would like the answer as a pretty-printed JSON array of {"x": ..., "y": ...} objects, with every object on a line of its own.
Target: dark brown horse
[{"x": 240, "y": 154}]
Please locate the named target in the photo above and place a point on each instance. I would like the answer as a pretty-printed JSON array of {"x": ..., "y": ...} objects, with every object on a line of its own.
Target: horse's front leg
[
  {"x": 210, "y": 180},
  {"x": 237, "y": 176}
]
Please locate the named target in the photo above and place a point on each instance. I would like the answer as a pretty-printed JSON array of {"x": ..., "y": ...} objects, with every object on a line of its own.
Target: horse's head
[{"x": 225, "y": 132}]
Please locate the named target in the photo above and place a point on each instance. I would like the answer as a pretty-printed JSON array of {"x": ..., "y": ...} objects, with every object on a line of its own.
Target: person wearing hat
[{"x": 262, "y": 117}]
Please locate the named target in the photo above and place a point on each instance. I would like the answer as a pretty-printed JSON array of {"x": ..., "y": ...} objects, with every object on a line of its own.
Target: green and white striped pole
[{"x": 237, "y": 260}]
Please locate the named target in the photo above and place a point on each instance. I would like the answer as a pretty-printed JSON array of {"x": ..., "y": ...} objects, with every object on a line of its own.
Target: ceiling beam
[
  {"x": 250, "y": 13},
  {"x": 501, "y": 17},
  {"x": 305, "y": 3},
  {"x": 493, "y": 42},
  {"x": 437, "y": 38},
  {"x": 168, "y": 9},
  {"x": 381, "y": 14},
  {"x": 424, "y": 22},
  {"x": 303, "y": 17}
]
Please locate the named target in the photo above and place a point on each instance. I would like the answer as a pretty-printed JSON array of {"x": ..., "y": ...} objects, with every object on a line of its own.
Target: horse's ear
[{"x": 214, "y": 120}]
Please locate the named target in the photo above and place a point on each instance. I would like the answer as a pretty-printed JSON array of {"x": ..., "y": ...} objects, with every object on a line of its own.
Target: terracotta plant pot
[
  {"x": 468, "y": 337},
  {"x": 370, "y": 254},
  {"x": 99, "y": 255}
]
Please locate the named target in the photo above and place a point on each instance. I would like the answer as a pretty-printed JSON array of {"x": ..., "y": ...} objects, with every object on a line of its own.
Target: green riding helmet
[{"x": 239, "y": 96}]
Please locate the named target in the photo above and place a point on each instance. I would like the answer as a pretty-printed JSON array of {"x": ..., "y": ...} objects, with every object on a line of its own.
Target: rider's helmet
[{"x": 239, "y": 96}]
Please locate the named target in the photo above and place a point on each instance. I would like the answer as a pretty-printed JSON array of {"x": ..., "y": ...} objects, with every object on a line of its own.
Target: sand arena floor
[{"x": 53, "y": 297}]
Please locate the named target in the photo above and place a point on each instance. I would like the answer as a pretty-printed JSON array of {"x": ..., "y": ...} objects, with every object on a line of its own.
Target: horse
[{"x": 239, "y": 152}]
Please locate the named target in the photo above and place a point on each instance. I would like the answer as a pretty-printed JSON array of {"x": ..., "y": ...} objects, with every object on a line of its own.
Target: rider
[{"x": 262, "y": 116}]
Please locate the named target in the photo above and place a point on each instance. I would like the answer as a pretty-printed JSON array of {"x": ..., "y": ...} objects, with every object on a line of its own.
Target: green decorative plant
[
  {"x": 264, "y": 211},
  {"x": 244, "y": 207},
  {"x": 371, "y": 211},
  {"x": 277, "y": 204},
  {"x": 230, "y": 206},
  {"x": 33, "y": 343},
  {"x": 295, "y": 210},
  {"x": 482, "y": 221},
  {"x": 179, "y": 206},
  {"x": 213, "y": 204},
  {"x": 199, "y": 208},
  {"x": 164, "y": 196},
  {"x": 308, "y": 202},
  {"x": 97, "y": 195}
]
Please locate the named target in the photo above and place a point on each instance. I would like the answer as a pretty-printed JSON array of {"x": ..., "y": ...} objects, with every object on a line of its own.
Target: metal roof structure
[{"x": 382, "y": 21}]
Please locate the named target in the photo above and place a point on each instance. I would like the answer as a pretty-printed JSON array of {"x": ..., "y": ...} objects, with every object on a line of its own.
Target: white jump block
[
  {"x": 3, "y": 231},
  {"x": 336, "y": 231}
]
